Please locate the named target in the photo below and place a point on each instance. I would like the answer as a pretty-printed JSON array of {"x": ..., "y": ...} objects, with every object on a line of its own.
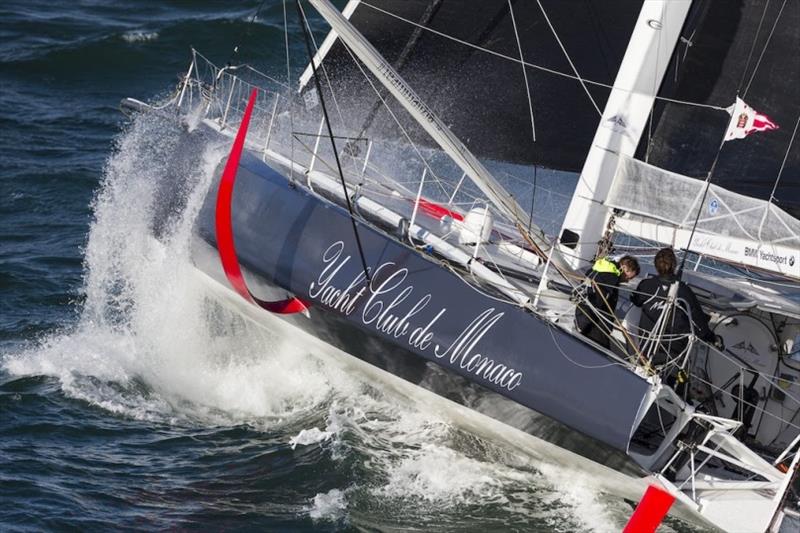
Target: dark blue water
[{"x": 128, "y": 400}]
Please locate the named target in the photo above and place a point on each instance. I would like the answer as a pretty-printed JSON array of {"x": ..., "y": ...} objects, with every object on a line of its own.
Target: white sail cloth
[{"x": 731, "y": 226}]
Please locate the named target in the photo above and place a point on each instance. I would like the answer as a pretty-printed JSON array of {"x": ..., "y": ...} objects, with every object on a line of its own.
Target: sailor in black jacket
[
  {"x": 651, "y": 296},
  {"x": 594, "y": 314}
]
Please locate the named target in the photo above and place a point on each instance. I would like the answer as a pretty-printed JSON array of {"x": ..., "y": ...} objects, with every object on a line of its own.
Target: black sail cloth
[
  {"x": 727, "y": 47},
  {"x": 481, "y": 96},
  {"x": 747, "y": 48}
]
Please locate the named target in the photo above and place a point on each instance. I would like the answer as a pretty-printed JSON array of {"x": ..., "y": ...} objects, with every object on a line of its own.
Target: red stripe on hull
[{"x": 224, "y": 227}]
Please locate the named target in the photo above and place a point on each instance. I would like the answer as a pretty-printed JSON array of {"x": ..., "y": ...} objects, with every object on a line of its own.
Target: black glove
[{"x": 719, "y": 344}]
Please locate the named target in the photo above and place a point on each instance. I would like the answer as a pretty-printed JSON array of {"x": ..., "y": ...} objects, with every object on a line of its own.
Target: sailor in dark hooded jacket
[
  {"x": 594, "y": 316},
  {"x": 651, "y": 296}
]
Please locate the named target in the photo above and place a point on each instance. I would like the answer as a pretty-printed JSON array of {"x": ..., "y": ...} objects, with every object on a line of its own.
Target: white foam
[
  {"x": 328, "y": 506},
  {"x": 147, "y": 319},
  {"x": 139, "y": 36},
  {"x": 591, "y": 509},
  {"x": 309, "y": 436},
  {"x": 439, "y": 474}
]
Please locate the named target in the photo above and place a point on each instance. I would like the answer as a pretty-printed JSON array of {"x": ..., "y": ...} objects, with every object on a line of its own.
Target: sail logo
[
  {"x": 390, "y": 305},
  {"x": 311, "y": 99},
  {"x": 713, "y": 207},
  {"x": 745, "y": 347},
  {"x": 769, "y": 257},
  {"x": 742, "y": 121},
  {"x": 617, "y": 124}
]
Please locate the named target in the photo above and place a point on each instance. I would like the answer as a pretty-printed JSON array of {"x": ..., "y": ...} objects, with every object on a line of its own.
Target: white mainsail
[{"x": 434, "y": 126}]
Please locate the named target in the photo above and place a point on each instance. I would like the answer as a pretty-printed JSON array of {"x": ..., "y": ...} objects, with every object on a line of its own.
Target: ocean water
[{"x": 128, "y": 398}]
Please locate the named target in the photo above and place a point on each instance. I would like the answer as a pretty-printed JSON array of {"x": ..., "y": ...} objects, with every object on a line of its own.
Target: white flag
[{"x": 746, "y": 120}]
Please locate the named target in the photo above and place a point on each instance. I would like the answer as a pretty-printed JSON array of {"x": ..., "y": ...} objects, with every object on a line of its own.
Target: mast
[
  {"x": 622, "y": 123},
  {"x": 438, "y": 131}
]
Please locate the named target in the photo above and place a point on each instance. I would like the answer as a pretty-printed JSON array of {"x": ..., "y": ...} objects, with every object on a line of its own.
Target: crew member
[
  {"x": 594, "y": 314},
  {"x": 651, "y": 296}
]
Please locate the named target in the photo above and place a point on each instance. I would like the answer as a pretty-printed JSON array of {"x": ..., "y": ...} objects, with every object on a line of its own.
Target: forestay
[{"x": 730, "y": 226}]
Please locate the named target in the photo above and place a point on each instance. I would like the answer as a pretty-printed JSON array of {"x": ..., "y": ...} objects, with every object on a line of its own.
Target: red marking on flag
[
  {"x": 762, "y": 123},
  {"x": 748, "y": 121},
  {"x": 650, "y": 511},
  {"x": 438, "y": 211},
  {"x": 224, "y": 227}
]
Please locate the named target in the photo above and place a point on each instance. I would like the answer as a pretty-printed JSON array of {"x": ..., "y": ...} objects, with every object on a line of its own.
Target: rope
[
  {"x": 524, "y": 72},
  {"x": 306, "y": 31},
  {"x": 753, "y": 46},
  {"x": 327, "y": 80},
  {"x": 618, "y": 325},
  {"x": 766, "y": 44},
  {"x": 744, "y": 402},
  {"x": 778, "y": 178},
  {"x": 569, "y": 60},
  {"x": 785, "y": 157}
]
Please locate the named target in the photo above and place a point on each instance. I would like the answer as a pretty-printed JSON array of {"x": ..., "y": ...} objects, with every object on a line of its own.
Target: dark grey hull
[{"x": 421, "y": 322}]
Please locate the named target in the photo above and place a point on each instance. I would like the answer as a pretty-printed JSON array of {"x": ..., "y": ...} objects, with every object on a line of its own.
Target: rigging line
[
  {"x": 576, "y": 363},
  {"x": 394, "y": 117},
  {"x": 692, "y": 23},
  {"x": 530, "y": 107},
  {"x": 766, "y": 44},
  {"x": 266, "y": 76},
  {"x": 571, "y": 64},
  {"x": 753, "y": 46},
  {"x": 399, "y": 63},
  {"x": 246, "y": 33},
  {"x": 651, "y": 115},
  {"x": 778, "y": 179},
  {"x": 703, "y": 199},
  {"x": 290, "y": 96},
  {"x": 328, "y": 82},
  {"x": 524, "y": 72},
  {"x": 533, "y": 198},
  {"x": 785, "y": 157},
  {"x": 301, "y": 15},
  {"x": 534, "y": 66}
]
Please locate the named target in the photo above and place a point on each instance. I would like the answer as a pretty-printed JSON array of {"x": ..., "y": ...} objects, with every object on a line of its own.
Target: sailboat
[{"x": 372, "y": 208}]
